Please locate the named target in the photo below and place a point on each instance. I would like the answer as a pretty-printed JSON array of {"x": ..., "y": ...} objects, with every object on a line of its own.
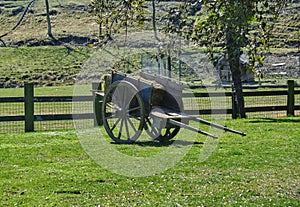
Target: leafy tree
[
  {"x": 237, "y": 26},
  {"x": 112, "y": 16}
]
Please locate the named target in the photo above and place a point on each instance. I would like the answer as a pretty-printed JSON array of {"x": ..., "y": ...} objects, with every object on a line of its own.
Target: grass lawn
[
  {"x": 261, "y": 169},
  {"x": 47, "y": 91},
  {"x": 45, "y": 66}
]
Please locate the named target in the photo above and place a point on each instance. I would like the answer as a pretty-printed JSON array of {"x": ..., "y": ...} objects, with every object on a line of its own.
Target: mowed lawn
[{"x": 52, "y": 169}]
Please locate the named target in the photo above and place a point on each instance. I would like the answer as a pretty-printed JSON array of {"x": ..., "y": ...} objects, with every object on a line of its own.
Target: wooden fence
[
  {"x": 29, "y": 100},
  {"x": 30, "y": 117},
  {"x": 290, "y": 107}
]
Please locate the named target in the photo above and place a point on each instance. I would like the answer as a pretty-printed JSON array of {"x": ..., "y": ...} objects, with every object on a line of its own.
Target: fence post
[
  {"x": 29, "y": 107},
  {"x": 234, "y": 105},
  {"x": 291, "y": 98},
  {"x": 97, "y": 105}
]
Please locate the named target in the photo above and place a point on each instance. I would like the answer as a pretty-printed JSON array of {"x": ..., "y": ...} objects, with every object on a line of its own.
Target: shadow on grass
[
  {"x": 68, "y": 192},
  {"x": 163, "y": 144},
  {"x": 276, "y": 120},
  {"x": 57, "y": 41}
]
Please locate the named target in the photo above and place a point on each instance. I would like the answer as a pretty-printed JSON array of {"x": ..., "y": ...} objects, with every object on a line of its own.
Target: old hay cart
[{"x": 154, "y": 103}]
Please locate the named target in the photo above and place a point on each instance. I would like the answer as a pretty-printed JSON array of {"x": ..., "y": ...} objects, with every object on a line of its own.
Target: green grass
[
  {"x": 47, "y": 91},
  {"x": 261, "y": 169},
  {"x": 45, "y": 66}
]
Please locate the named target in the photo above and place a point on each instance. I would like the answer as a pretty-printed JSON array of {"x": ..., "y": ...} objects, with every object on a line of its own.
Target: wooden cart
[{"x": 153, "y": 103}]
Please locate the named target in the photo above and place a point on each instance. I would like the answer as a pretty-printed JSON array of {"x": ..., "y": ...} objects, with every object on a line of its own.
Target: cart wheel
[
  {"x": 159, "y": 129},
  {"x": 123, "y": 112}
]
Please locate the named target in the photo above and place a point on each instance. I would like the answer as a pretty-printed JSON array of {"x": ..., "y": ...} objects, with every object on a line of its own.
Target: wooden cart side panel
[
  {"x": 117, "y": 77},
  {"x": 145, "y": 89},
  {"x": 172, "y": 96}
]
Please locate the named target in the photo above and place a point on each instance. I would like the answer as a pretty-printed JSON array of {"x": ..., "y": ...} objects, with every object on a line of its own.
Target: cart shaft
[
  {"x": 182, "y": 125},
  {"x": 216, "y": 125}
]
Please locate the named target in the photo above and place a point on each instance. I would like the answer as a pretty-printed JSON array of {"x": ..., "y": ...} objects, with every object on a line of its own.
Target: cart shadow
[{"x": 166, "y": 144}]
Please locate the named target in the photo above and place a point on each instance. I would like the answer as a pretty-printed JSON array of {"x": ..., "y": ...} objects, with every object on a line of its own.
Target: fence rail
[
  {"x": 287, "y": 102},
  {"x": 290, "y": 95}
]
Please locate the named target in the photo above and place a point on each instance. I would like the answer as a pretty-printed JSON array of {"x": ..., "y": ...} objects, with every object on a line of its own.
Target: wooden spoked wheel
[
  {"x": 158, "y": 129},
  {"x": 123, "y": 112}
]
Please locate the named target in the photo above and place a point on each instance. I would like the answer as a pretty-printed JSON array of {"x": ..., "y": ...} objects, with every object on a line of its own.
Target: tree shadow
[{"x": 275, "y": 120}]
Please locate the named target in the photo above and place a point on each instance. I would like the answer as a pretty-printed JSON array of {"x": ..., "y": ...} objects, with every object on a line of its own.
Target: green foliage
[
  {"x": 115, "y": 15},
  {"x": 229, "y": 24},
  {"x": 241, "y": 26}
]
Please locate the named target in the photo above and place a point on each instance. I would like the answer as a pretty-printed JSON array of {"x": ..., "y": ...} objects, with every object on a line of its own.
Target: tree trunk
[
  {"x": 238, "y": 87},
  {"x": 154, "y": 20},
  {"x": 48, "y": 20},
  {"x": 234, "y": 62}
]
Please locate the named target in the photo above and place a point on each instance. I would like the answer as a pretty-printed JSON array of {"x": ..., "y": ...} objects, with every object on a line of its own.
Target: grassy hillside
[
  {"x": 71, "y": 22},
  {"x": 45, "y": 66},
  {"x": 73, "y": 25},
  {"x": 286, "y": 32}
]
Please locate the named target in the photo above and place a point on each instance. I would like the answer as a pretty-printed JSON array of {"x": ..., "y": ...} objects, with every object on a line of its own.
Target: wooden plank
[
  {"x": 265, "y": 93},
  {"x": 98, "y": 97},
  {"x": 200, "y": 95},
  {"x": 246, "y": 94},
  {"x": 11, "y": 118},
  {"x": 29, "y": 107},
  {"x": 277, "y": 86},
  {"x": 62, "y": 98},
  {"x": 208, "y": 111},
  {"x": 61, "y": 117},
  {"x": 100, "y": 94},
  {"x": 229, "y": 111},
  {"x": 182, "y": 125},
  {"x": 11, "y": 99},
  {"x": 278, "y": 64},
  {"x": 291, "y": 98},
  {"x": 48, "y": 99},
  {"x": 266, "y": 108}
]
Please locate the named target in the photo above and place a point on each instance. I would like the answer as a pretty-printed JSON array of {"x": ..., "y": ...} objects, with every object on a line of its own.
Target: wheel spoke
[
  {"x": 117, "y": 98},
  {"x": 113, "y": 107},
  {"x": 160, "y": 133},
  {"x": 151, "y": 129},
  {"x": 121, "y": 128},
  {"x": 131, "y": 124},
  {"x": 133, "y": 109},
  {"x": 110, "y": 116},
  {"x": 115, "y": 124},
  {"x": 154, "y": 131},
  {"x": 129, "y": 102},
  {"x": 123, "y": 112},
  {"x": 123, "y": 98},
  {"x": 127, "y": 129},
  {"x": 167, "y": 132}
]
